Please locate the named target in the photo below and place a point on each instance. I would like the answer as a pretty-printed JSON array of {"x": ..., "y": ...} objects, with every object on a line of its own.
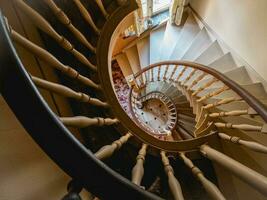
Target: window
[{"x": 160, "y": 5}]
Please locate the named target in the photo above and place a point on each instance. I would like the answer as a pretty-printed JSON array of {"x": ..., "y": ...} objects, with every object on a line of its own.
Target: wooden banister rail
[
  {"x": 63, "y": 18},
  {"x": 82, "y": 122},
  {"x": 108, "y": 150},
  {"x": 41, "y": 23},
  {"x": 250, "y": 176},
  {"x": 210, "y": 187},
  {"x": 174, "y": 184},
  {"x": 138, "y": 169},
  {"x": 67, "y": 92},
  {"x": 217, "y": 76},
  {"x": 50, "y": 59}
]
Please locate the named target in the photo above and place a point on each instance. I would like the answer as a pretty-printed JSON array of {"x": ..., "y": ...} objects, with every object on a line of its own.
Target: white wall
[{"x": 242, "y": 25}]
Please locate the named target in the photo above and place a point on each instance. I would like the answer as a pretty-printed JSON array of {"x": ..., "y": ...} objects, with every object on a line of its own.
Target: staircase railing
[
  {"x": 202, "y": 87},
  {"x": 207, "y": 89},
  {"x": 18, "y": 89}
]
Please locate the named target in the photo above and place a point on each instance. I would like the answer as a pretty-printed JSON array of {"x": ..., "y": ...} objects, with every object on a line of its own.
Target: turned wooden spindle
[
  {"x": 50, "y": 59},
  {"x": 174, "y": 185},
  {"x": 108, "y": 150},
  {"x": 165, "y": 73},
  {"x": 67, "y": 92},
  {"x": 181, "y": 74},
  {"x": 208, "y": 84},
  {"x": 173, "y": 72},
  {"x": 255, "y": 146},
  {"x": 152, "y": 74},
  {"x": 159, "y": 71},
  {"x": 244, "y": 127},
  {"x": 82, "y": 122},
  {"x": 249, "y": 111},
  {"x": 102, "y": 8},
  {"x": 138, "y": 169},
  {"x": 246, "y": 174},
  {"x": 214, "y": 93},
  {"x": 63, "y": 18},
  {"x": 222, "y": 102},
  {"x": 210, "y": 187},
  {"x": 86, "y": 15},
  {"x": 196, "y": 81},
  {"x": 192, "y": 73},
  {"x": 41, "y": 23}
]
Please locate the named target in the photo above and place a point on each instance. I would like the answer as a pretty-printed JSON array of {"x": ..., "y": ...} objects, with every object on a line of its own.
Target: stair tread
[
  {"x": 224, "y": 63},
  {"x": 239, "y": 75},
  {"x": 200, "y": 43},
  {"x": 156, "y": 38},
  {"x": 171, "y": 34},
  {"x": 213, "y": 52},
  {"x": 188, "y": 33},
  {"x": 143, "y": 52},
  {"x": 255, "y": 89},
  {"x": 124, "y": 64},
  {"x": 133, "y": 58}
]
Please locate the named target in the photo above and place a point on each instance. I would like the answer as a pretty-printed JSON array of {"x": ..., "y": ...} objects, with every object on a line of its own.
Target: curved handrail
[
  {"x": 51, "y": 135},
  {"x": 244, "y": 94}
]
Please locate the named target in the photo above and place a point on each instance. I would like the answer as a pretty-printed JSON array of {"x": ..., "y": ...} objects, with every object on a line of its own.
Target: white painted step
[
  {"x": 212, "y": 53},
  {"x": 239, "y": 75},
  {"x": 169, "y": 42},
  {"x": 133, "y": 58},
  {"x": 124, "y": 64},
  {"x": 188, "y": 33},
  {"x": 156, "y": 38},
  {"x": 224, "y": 63},
  {"x": 199, "y": 45},
  {"x": 143, "y": 52},
  {"x": 255, "y": 89}
]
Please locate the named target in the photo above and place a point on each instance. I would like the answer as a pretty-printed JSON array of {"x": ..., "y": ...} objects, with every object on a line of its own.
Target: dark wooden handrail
[
  {"x": 51, "y": 135},
  {"x": 244, "y": 94}
]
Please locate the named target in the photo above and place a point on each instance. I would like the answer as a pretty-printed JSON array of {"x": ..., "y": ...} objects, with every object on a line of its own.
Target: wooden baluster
[
  {"x": 255, "y": 146},
  {"x": 82, "y": 122},
  {"x": 51, "y": 60},
  {"x": 67, "y": 92},
  {"x": 196, "y": 81},
  {"x": 174, "y": 185},
  {"x": 86, "y": 15},
  {"x": 173, "y": 72},
  {"x": 244, "y": 127},
  {"x": 41, "y": 23},
  {"x": 63, "y": 18},
  {"x": 246, "y": 174},
  {"x": 214, "y": 93},
  {"x": 192, "y": 73},
  {"x": 249, "y": 111},
  {"x": 208, "y": 84},
  {"x": 102, "y": 8},
  {"x": 181, "y": 74},
  {"x": 159, "y": 70},
  {"x": 138, "y": 169},
  {"x": 222, "y": 102},
  {"x": 165, "y": 73},
  {"x": 152, "y": 74},
  {"x": 210, "y": 187},
  {"x": 108, "y": 150}
]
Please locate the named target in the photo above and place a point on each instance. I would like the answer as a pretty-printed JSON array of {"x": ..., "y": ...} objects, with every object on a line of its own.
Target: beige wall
[
  {"x": 242, "y": 25},
  {"x": 26, "y": 173}
]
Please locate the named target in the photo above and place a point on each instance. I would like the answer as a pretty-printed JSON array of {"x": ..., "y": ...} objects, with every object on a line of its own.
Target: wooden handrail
[{"x": 244, "y": 94}]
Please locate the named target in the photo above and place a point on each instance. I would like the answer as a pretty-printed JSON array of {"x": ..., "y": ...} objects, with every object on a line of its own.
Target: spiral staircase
[{"x": 188, "y": 104}]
